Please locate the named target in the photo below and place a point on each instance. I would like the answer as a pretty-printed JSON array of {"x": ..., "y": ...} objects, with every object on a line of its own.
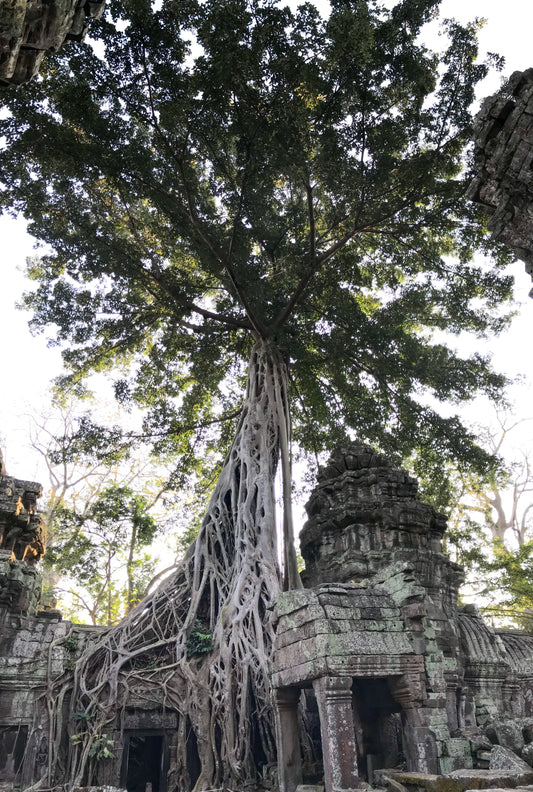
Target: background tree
[
  {"x": 491, "y": 522},
  {"x": 100, "y": 551},
  {"x": 102, "y": 517},
  {"x": 236, "y": 191},
  {"x": 506, "y": 504}
]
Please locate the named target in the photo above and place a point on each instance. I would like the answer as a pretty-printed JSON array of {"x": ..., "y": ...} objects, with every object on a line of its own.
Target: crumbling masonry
[
  {"x": 378, "y": 643},
  {"x": 503, "y": 138}
]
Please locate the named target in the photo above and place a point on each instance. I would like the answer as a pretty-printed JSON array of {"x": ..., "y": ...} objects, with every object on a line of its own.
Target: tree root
[{"x": 201, "y": 643}]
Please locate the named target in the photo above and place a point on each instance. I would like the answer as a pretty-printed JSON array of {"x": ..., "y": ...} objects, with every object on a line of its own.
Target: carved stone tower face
[
  {"x": 503, "y": 161},
  {"x": 364, "y": 515}
]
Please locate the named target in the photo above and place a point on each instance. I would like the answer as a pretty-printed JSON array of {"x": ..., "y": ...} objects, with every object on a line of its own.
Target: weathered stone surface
[
  {"x": 503, "y": 136},
  {"x": 508, "y": 789},
  {"x": 310, "y": 788},
  {"x": 507, "y": 735},
  {"x": 22, "y": 531},
  {"x": 30, "y": 27},
  {"x": 383, "y": 611},
  {"x": 22, "y": 544},
  {"x": 460, "y": 781},
  {"x": 486, "y": 779},
  {"x": 527, "y": 754},
  {"x": 364, "y": 515},
  {"x": 330, "y": 628},
  {"x": 502, "y": 758}
]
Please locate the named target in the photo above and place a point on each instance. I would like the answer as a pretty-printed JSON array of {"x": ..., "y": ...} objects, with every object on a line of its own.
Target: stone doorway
[
  {"x": 378, "y": 726},
  {"x": 145, "y": 762}
]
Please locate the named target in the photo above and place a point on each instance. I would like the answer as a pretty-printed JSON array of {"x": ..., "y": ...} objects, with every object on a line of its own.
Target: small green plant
[
  {"x": 200, "y": 640},
  {"x": 71, "y": 643},
  {"x": 84, "y": 717},
  {"x": 102, "y": 747}
]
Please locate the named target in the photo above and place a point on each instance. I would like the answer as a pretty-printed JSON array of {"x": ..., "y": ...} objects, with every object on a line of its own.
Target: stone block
[
  {"x": 527, "y": 754},
  {"x": 291, "y": 601},
  {"x": 300, "y": 616},
  {"x": 310, "y": 788},
  {"x": 502, "y": 758},
  {"x": 486, "y": 779},
  {"x": 507, "y": 734}
]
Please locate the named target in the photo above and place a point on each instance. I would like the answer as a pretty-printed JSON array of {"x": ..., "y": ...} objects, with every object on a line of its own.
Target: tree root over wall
[{"x": 201, "y": 643}]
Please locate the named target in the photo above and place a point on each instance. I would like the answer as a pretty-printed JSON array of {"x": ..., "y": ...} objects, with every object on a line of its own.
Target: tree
[
  {"x": 507, "y": 502},
  {"x": 234, "y": 191},
  {"x": 507, "y": 585},
  {"x": 100, "y": 518},
  {"x": 102, "y": 515},
  {"x": 491, "y": 526},
  {"x": 100, "y": 552}
]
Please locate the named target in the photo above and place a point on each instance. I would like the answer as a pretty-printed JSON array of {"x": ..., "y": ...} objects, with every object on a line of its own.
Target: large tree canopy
[
  {"x": 207, "y": 174},
  {"x": 229, "y": 181}
]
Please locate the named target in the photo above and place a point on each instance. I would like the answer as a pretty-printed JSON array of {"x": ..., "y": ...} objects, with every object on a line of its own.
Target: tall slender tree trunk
[{"x": 202, "y": 642}]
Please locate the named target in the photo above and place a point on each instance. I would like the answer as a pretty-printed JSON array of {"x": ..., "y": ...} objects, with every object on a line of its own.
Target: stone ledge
[{"x": 461, "y": 780}]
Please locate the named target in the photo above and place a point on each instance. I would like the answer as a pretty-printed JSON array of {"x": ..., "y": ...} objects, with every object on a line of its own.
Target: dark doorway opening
[
  {"x": 145, "y": 763},
  {"x": 13, "y": 741},
  {"x": 378, "y": 726},
  {"x": 312, "y": 760}
]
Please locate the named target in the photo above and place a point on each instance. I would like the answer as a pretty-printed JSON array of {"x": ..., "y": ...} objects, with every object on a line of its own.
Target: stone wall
[
  {"x": 22, "y": 532},
  {"x": 35, "y": 644},
  {"x": 503, "y": 138}
]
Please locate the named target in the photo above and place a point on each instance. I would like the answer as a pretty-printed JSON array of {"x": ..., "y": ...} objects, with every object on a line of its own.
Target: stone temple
[
  {"x": 396, "y": 684},
  {"x": 377, "y": 641}
]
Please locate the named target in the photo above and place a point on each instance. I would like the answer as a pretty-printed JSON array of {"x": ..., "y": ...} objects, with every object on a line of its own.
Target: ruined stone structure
[
  {"x": 28, "y": 28},
  {"x": 34, "y": 642},
  {"x": 503, "y": 137},
  {"x": 374, "y": 655},
  {"x": 396, "y": 671},
  {"x": 36, "y": 645}
]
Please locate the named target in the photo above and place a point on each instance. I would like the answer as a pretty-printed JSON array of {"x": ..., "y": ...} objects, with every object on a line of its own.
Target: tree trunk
[{"x": 201, "y": 643}]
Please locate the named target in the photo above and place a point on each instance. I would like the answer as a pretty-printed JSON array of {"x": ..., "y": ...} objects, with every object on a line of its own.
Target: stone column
[
  {"x": 288, "y": 738},
  {"x": 419, "y": 741},
  {"x": 334, "y": 698}
]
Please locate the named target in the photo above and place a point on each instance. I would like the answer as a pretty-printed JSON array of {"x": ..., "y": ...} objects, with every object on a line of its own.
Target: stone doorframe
[{"x": 337, "y": 728}]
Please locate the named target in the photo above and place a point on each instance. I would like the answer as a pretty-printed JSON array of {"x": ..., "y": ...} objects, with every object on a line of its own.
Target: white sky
[{"x": 28, "y": 364}]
